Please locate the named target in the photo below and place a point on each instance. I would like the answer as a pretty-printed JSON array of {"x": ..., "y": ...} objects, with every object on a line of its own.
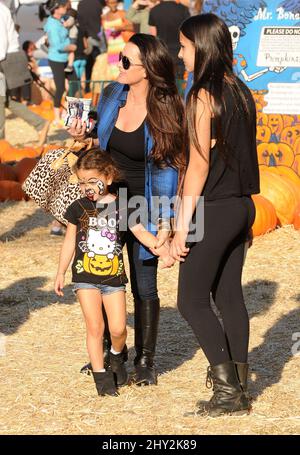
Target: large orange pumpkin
[
  {"x": 297, "y": 217},
  {"x": 282, "y": 193},
  {"x": 11, "y": 191},
  {"x": 287, "y": 172},
  {"x": 273, "y": 154},
  {"x": 24, "y": 167},
  {"x": 265, "y": 217},
  {"x": 7, "y": 172}
]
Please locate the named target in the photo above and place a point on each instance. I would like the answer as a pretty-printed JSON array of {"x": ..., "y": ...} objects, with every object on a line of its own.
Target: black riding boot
[
  {"x": 105, "y": 383},
  {"x": 229, "y": 397},
  {"x": 146, "y": 327},
  {"x": 242, "y": 372}
]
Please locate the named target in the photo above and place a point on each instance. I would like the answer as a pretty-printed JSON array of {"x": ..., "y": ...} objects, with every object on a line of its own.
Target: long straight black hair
[
  {"x": 212, "y": 71},
  {"x": 165, "y": 110}
]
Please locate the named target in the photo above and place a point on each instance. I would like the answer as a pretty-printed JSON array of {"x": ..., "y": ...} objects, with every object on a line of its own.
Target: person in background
[
  {"x": 9, "y": 43},
  {"x": 59, "y": 48},
  {"x": 138, "y": 13},
  {"x": 164, "y": 21},
  {"x": 117, "y": 30},
  {"x": 70, "y": 22},
  {"x": 89, "y": 14}
]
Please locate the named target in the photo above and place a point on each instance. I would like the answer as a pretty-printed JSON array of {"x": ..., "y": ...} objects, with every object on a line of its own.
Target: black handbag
[{"x": 15, "y": 69}]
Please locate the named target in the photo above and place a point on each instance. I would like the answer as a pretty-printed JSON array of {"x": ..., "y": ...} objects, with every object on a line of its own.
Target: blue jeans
[{"x": 143, "y": 274}]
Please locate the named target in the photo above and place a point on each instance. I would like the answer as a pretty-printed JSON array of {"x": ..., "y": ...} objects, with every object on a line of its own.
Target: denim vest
[{"x": 158, "y": 182}]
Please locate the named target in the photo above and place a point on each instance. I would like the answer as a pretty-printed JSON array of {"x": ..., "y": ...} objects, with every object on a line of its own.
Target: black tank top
[
  {"x": 128, "y": 152},
  {"x": 238, "y": 175}
]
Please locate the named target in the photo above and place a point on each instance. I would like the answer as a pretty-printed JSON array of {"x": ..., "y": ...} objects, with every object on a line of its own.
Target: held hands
[
  {"x": 178, "y": 250},
  {"x": 59, "y": 284},
  {"x": 164, "y": 254}
]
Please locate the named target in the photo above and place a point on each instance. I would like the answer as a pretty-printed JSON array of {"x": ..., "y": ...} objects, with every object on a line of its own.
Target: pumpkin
[
  {"x": 273, "y": 154},
  {"x": 47, "y": 105},
  {"x": 51, "y": 147},
  {"x": 265, "y": 216},
  {"x": 296, "y": 146},
  {"x": 24, "y": 167},
  {"x": 100, "y": 264},
  {"x": 20, "y": 153},
  {"x": 275, "y": 123},
  {"x": 288, "y": 172},
  {"x": 282, "y": 193},
  {"x": 296, "y": 164},
  {"x": 11, "y": 191},
  {"x": 4, "y": 147},
  {"x": 290, "y": 134},
  {"x": 263, "y": 133},
  {"x": 7, "y": 172},
  {"x": 261, "y": 118},
  {"x": 296, "y": 222}
]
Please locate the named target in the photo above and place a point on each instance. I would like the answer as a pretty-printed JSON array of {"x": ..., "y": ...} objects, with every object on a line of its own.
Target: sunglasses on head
[{"x": 126, "y": 63}]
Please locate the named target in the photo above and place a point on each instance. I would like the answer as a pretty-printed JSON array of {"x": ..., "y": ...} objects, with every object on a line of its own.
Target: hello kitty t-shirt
[{"x": 98, "y": 255}]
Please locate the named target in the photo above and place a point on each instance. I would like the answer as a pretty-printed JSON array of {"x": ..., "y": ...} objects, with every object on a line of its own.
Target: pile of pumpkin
[
  {"x": 45, "y": 109},
  {"x": 15, "y": 165},
  {"x": 278, "y": 203}
]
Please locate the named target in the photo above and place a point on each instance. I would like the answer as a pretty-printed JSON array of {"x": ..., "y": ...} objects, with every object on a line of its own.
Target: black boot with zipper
[
  {"x": 146, "y": 328},
  {"x": 228, "y": 397}
]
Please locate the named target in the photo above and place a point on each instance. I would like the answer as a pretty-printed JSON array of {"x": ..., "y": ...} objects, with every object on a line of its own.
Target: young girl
[{"x": 93, "y": 234}]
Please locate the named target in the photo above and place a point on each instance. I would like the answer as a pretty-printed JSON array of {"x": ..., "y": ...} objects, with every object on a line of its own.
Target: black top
[
  {"x": 79, "y": 53},
  {"x": 238, "y": 175},
  {"x": 98, "y": 255},
  {"x": 128, "y": 152},
  {"x": 167, "y": 17},
  {"x": 88, "y": 15}
]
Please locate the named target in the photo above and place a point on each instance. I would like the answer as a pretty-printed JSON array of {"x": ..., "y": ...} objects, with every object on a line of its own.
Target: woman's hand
[
  {"x": 162, "y": 236},
  {"x": 59, "y": 284},
  {"x": 178, "y": 250},
  {"x": 78, "y": 130}
]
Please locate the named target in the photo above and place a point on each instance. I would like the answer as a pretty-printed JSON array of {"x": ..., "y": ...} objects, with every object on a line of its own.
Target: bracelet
[{"x": 163, "y": 224}]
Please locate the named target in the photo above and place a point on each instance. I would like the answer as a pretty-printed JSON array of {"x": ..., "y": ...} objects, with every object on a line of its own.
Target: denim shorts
[{"x": 103, "y": 288}]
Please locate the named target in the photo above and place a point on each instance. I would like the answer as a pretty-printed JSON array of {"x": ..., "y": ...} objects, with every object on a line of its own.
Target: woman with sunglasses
[
  {"x": 140, "y": 121},
  {"x": 223, "y": 169}
]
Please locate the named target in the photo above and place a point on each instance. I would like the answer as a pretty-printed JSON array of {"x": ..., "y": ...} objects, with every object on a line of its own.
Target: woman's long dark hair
[
  {"x": 212, "y": 71},
  {"x": 165, "y": 110}
]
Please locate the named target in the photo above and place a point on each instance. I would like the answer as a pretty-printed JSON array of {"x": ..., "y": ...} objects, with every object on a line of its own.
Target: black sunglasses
[{"x": 126, "y": 63}]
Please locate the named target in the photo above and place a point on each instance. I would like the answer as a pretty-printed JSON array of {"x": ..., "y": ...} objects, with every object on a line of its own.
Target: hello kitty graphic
[{"x": 99, "y": 242}]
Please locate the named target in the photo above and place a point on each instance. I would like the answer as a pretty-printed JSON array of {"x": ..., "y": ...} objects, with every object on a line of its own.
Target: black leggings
[
  {"x": 59, "y": 76},
  {"x": 214, "y": 265}
]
